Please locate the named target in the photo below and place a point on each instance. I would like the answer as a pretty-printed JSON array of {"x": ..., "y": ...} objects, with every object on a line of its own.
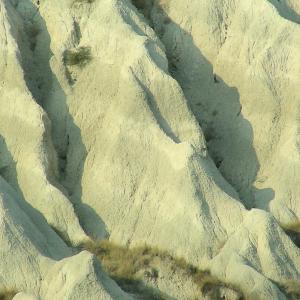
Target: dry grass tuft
[
  {"x": 123, "y": 265},
  {"x": 78, "y": 57}
]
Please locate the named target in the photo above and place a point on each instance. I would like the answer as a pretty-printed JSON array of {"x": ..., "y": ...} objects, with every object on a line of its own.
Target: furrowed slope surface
[
  {"x": 139, "y": 159},
  {"x": 36, "y": 261},
  {"x": 131, "y": 155},
  {"x": 240, "y": 73},
  {"x": 33, "y": 256},
  {"x": 28, "y": 158}
]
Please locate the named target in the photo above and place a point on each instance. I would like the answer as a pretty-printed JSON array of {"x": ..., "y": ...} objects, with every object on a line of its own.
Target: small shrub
[{"x": 78, "y": 57}]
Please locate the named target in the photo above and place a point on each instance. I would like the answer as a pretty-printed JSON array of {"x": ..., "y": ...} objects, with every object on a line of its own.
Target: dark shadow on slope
[
  {"x": 46, "y": 90},
  {"x": 8, "y": 172},
  {"x": 163, "y": 123},
  {"x": 294, "y": 236},
  {"x": 216, "y": 106},
  {"x": 263, "y": 197},
  {"x": 138, "y": 289},
  {"x": 220, "y": 96},
  {"x": 285, "y": 11}
]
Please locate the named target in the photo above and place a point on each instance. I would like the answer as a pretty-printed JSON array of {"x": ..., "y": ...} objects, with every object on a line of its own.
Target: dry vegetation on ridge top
[{"x": 128, "y": 267}]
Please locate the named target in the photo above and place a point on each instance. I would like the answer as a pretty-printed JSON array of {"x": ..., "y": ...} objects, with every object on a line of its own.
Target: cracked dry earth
[{"x": 168, "y": 123}]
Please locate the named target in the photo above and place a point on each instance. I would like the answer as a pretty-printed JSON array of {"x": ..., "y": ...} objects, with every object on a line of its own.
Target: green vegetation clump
[
  {"x": 7, "y": 294},
  {"x": 124, "y": 266},
  {"x": 78, "y": 57}
]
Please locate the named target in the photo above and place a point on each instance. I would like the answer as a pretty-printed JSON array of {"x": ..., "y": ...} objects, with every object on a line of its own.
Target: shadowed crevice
[
  {"x": 36, "y": 58},
  {"x": 285, "y": 11},
  {"x": 216, "y": 105},
  {"x": 162, "y": 122}
]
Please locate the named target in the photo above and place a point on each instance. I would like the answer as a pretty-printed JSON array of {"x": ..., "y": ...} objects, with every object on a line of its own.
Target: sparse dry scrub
[{"x": 124, "y": 266}]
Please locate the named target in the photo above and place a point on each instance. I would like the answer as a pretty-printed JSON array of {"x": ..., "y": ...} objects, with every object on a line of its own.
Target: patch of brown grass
[{"x": 123, "y": 265}]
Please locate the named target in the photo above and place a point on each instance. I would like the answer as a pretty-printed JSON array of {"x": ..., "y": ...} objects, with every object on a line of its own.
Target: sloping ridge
[{"x": 114, "y": 145}]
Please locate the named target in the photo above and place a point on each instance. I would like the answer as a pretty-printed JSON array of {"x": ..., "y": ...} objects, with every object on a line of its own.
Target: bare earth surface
[{"x": 168, "y": 123}]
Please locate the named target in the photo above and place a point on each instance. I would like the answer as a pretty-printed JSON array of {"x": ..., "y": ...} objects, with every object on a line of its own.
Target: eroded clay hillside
[{"x": 149, "y": 149}]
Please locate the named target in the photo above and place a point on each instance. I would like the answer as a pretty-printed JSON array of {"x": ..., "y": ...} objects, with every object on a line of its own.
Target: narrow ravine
[
  {"x": 35, "y": 57},
  {"x": 222, "y": 122},
  {"x": 208, "y": 111},
  {"x": 34, "y": 45},
  {"x": 43, "y": 84},
  {"x": 51, "y": 88}
]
